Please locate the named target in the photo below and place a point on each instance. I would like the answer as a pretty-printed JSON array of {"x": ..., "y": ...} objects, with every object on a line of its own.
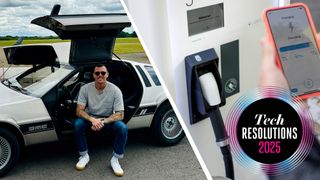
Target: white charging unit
[{"x": 173, "y": 29}]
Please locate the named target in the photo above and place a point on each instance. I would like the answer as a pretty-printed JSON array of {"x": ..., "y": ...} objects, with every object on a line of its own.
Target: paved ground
[{"x": 143, "y": 161}]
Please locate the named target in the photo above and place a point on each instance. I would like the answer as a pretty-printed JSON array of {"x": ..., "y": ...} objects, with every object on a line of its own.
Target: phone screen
[{"x": 297, "y": 49}]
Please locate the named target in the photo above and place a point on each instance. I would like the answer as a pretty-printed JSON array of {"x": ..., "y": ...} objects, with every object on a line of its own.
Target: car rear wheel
[
  {"x": 9, "y": 151},
  {"x": 166, "y": 128}
]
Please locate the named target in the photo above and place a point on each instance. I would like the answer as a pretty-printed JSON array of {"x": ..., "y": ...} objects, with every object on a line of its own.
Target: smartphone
[{"x": 297, "y": 53}]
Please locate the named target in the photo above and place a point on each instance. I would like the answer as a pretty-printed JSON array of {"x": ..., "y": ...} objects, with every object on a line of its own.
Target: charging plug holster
[{"x": 196, "y": 65}]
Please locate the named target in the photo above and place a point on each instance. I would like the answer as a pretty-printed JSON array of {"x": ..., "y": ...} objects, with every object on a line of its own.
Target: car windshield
[{"x": 40, "y": 81}]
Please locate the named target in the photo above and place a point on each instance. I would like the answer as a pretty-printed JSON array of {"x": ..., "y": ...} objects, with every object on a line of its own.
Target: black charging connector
[{"x": 205, "y": 96}]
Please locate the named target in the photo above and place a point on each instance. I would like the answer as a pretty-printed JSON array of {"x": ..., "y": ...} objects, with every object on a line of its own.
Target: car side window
[
  {"x": 72, "y": 80},
  {"x": 153, "y": 75},
  {"x": 36, "y": 76}
]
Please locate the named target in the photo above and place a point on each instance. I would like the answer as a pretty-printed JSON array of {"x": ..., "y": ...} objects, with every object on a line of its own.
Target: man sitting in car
[{"x": 100, "y": 107}]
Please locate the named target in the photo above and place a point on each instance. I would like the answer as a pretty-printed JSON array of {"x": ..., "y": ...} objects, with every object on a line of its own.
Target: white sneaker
[
  {"x": 83, "y": 161},
  {"x": 117, "y": 170}
]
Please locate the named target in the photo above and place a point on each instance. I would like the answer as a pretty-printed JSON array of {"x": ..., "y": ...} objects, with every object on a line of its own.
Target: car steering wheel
[
  {"x": 67, "y": 94},
  {"x": 66, "y": 104}
]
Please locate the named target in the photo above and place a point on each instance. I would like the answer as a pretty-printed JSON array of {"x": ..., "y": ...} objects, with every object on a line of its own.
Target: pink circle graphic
[{"x": 307, "y": 136}]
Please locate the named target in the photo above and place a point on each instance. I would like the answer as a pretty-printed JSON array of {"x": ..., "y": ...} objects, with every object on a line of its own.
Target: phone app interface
[{"x": 297, "y": 49}]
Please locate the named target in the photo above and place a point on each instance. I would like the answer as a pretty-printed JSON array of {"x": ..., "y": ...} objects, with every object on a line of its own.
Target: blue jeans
[{"x": 119, "y": 128}]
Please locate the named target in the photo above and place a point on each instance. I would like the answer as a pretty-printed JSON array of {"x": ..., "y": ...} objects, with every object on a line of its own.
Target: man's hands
[{"x": 97, "y": 123}]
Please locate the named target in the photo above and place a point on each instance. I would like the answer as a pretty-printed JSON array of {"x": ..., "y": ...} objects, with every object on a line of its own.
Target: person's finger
[
  {"x": 93, "y": 128},
  {"x": 267, "y": 66},
  {"x": 268, "y": 60},
  {"x": 98, "y": 126},
  {"x": 101, "y": 124},
  {"x": 318, "y": 38},
  {"x": 270, "y": 74}
]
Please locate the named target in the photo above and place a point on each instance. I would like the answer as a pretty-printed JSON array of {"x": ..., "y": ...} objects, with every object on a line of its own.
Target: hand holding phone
[
  {"x": 292, "y": 31},
  {"x": 270, "y": 74}
]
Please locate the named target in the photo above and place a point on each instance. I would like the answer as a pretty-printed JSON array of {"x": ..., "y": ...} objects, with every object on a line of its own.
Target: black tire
[
  {"x": 165, "y": 128},
  {"x": 9, "y": 151}
]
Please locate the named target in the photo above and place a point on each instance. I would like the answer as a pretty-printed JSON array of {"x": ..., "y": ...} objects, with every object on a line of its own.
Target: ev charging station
[{"x": 173, "y": 32}]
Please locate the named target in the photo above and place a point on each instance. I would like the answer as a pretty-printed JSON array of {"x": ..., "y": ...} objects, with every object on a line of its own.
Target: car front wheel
[
  {"x": 166, "y": 128},
  {"x": 9, "y": 151}
]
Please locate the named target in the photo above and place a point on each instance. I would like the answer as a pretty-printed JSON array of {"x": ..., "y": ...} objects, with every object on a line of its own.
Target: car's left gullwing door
[{"x": 30, "y": 54}]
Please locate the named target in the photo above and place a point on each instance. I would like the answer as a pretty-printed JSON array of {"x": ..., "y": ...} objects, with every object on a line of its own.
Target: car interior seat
[
  {"x": 70, "y": 109},
  {"x": 87, "y": 77}
]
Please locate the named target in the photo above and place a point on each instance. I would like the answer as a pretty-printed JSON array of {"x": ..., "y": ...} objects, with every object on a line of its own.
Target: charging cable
[{"x": 211, "y": 94}]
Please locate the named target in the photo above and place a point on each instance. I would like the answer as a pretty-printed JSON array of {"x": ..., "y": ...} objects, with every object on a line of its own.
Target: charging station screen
[
  {"x": 205, "y": 19},
  {"x": 297, "y": 49}
]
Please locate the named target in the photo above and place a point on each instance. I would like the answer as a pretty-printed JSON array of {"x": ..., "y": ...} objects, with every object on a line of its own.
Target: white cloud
[{"x": 16, "y": 15}]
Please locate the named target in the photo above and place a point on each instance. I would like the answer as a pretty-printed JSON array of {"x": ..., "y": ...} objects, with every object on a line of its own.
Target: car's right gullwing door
[{"x": 92, "y": 36}]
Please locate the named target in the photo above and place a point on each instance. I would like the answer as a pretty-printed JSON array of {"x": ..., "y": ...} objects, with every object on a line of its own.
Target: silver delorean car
[{"x": 39, "y": 104}]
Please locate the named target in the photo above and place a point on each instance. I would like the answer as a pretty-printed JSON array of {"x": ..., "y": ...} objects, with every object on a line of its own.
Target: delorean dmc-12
[{"x": 38, "y": 105}]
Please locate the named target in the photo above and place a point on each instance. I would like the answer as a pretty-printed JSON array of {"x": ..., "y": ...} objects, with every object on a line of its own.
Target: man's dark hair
[{"x": 99, "y": 65}]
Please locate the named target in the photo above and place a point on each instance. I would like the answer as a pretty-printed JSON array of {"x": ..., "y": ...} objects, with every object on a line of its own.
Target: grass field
[
  {"x": 128, "y": 46},
  {"x": 122, "y": 46},
  {"x": 11, "y": 42}
]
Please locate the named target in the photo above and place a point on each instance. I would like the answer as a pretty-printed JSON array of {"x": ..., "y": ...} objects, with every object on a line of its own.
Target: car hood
[
  {"x": 9, "y": 96},
  {"x": 92, "y": 35},
  {"x": 20, "y": 109}
]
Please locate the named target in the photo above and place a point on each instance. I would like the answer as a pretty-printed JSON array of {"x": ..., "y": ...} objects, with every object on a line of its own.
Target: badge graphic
[
  {"x": 231, "y": 85},
  {"x": 270, "y": 131}
]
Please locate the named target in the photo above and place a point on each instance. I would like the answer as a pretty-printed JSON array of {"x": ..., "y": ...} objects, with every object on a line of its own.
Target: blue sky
[{"x": 16, "y": 15}]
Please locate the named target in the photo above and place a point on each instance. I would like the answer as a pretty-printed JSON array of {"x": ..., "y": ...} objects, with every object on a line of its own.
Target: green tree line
[{"x": 122, "y": 35}]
